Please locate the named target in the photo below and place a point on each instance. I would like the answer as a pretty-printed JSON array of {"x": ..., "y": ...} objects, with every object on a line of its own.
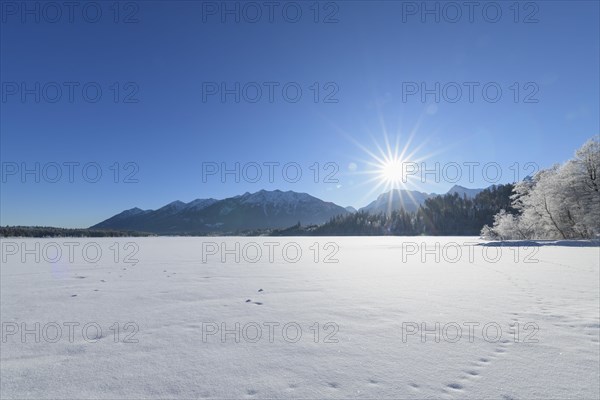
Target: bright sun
[
  {"x": 391, "y": 172},
  {"x": 392, "y": 165}
]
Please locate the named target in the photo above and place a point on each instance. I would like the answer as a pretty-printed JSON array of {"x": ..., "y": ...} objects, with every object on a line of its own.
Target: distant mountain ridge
[
  {"x": 411, "y": 200},
  {"x": 260, "y": 210},
  {"x": 463, "y": 191}
]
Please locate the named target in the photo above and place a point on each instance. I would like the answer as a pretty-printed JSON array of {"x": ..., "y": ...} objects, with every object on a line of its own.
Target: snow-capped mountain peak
[
  {"x": 262, "y": 209},
  {"x": 463, "y": 191},
  {"x": 199, "y": 204},
  {"x": 275, "y": 197}
]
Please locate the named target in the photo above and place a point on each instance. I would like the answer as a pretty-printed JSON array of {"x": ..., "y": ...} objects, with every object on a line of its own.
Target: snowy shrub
[{"x": 507, "y": 227}]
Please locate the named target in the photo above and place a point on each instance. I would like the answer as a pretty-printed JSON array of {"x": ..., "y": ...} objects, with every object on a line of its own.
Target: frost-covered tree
[
  {"x": 562, "y": 202},
  {"x": 582, "y": 175}
]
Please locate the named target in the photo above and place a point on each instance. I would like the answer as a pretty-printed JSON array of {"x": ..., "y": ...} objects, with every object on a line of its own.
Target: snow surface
[{"x": 377, "y": 285}]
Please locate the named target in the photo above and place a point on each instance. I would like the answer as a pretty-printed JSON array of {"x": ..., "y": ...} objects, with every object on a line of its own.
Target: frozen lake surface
[{"x": 363, "y": 318}]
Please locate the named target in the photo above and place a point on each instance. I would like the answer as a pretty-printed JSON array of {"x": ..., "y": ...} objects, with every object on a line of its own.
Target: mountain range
[
  {"x": 261, "y": 210},
  {"x": 411, "y": 200}
]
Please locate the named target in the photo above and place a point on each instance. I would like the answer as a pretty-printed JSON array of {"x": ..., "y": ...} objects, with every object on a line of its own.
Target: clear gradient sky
[{"x": 367, "y": 61}]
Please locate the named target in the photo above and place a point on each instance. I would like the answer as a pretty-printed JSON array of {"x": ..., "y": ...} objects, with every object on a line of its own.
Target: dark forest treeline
[
  {"x": 454, "y": 215},
  {"x": 49, "y": 231},
  {"x": 447, "y": 215}
]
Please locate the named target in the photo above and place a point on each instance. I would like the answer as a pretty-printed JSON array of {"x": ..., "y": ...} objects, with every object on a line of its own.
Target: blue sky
[{"x": 364, "y": 66}]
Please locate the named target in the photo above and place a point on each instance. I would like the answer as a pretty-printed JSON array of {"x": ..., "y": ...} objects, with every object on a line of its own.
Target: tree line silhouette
[{"x": 443, "y": 215}]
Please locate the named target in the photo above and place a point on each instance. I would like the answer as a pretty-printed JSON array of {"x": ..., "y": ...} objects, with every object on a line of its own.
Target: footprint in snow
[{"x": 455, "y": 386}]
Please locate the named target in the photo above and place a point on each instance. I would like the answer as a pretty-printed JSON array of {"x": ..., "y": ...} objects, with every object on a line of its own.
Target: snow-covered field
[{"x": 361, "y": 319}]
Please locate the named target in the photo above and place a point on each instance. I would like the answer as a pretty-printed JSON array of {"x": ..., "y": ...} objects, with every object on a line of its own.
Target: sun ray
[
  {"x": 389, "y": 157},
  {"x": 390, "y": 163}
]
